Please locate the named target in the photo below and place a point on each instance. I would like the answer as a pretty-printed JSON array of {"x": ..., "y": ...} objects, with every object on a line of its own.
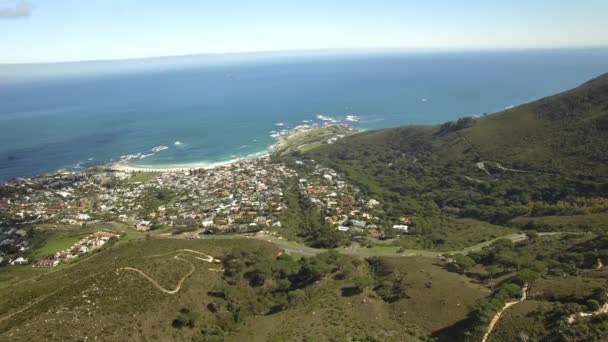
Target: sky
[{"x": 40, "y": 31}]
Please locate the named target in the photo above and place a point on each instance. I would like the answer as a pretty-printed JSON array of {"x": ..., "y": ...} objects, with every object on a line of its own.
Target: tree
[
  {"x": 362, "y": 282},
  {"x": 526, "y": 276},
  {"x": 593, "y": 305},
  {"x": 493, "y": 270},
  {"x": 532, "y": 235},
  {"x": 463, "y": 262}
]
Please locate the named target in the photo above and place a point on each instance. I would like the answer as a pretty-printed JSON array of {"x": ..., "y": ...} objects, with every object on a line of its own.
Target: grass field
[
  {"x": 143, "y": 177},
  {"x": 92, "y": 298},
  {"x": 441, "y": 306},
  {"x": 326, "y": 315},
  {"x": 309, "y": 147},
  {"x": 55, "y": 245},
  {"x": 13, "y": 274},
  {"x": 460, "y": 233}
]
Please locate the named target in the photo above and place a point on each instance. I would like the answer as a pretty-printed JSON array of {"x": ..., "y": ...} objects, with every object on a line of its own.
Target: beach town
[{"x": 241, "y": 196}]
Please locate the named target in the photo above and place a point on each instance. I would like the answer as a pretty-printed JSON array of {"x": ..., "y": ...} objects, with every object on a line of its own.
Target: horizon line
[{"x": 319, "y": 50}]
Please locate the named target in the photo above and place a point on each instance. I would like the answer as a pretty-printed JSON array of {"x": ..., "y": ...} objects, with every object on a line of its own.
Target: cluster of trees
[
  {"x": 522, "y": 264},
  {"x": 388, "y": 284},
  {"x": 307, "y": 219},
  {"x": 257, "y": 283},
  {"x": 453, "y": 126},
  {"x": 413, "y": 179}
]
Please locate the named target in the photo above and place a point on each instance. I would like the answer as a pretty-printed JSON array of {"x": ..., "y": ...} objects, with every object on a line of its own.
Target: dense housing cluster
[
  {"x": 342, "y": 204},
  {"x": 83, "y": 246}
]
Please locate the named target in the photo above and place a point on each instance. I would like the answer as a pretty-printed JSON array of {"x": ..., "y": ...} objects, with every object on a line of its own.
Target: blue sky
[{"x": 76, "y": 30}]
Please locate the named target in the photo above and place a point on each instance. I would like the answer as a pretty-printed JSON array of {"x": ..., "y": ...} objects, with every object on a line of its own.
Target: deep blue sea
[{"x": 209, "y": 110}]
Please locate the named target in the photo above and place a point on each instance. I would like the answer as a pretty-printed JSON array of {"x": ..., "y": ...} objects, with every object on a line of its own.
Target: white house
[
  {"x": 343, "y": 228},
  {"x": 358, "y": 223},
  {"x": 401, "y": 227},
  {"x": 19, "y": 261},
  {"x": 83, "y": 217},
  {"x": 372, "y": 203}
]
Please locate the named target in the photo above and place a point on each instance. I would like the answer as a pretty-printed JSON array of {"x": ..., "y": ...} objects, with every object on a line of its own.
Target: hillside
[
  {"x": 170, "y": 289},
  {"x": 545, "y": 158},
  {"x": 541, "y": 166},
  {"x": 563, "y": 133}
]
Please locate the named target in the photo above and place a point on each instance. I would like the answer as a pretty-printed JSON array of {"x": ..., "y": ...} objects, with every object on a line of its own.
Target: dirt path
[
  {"x": 482, "y": 166},
  {"x": 496, "y": 318},
  {"x": 207, "y": 258},
  {"x": 601, "y": 310}
]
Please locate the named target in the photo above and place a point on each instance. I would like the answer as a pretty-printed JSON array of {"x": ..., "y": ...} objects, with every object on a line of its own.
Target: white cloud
[{"x": 15, "y": 9}]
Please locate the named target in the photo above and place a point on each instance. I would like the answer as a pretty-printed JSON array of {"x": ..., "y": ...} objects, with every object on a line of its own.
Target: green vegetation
[
  {"x": 517, "y": 168},
  {"x": 115, "y": 304},
  {"x": 302, "y": 220},
  {"x": 309, "y": 147},
  {"x": 310, "y": 139},
  {"x": 456, "y": 234},
  {"x": 55, "y": 245},
  {"x": 143, "y": 177},
  {"x": 562, "y": 278},
  {"x": 258, "y": 291}
]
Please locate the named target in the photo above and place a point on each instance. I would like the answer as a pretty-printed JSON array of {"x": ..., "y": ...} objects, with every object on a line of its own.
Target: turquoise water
[{"x": 208, "y": 111}]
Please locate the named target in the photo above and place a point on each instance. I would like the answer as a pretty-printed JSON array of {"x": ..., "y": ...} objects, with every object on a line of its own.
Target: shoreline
[
  {"x": 126, "y": 167},
  {"x": 281, "y": 138}
]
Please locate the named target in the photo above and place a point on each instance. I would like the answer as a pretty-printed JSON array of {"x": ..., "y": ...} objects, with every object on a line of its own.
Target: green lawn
[
  {"x": 55, "y": 245},
  {"x": 143, "y": 177},
  {"x": 309, "y": 147}
]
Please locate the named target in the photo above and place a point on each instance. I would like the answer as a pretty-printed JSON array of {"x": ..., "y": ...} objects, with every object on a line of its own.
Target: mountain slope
[
  {"x": 566, "y": 132},
  {"x": 539, "y": 159}
]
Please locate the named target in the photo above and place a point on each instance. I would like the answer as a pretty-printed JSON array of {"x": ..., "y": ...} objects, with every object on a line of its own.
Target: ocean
[{"x": 74, "y": 115}]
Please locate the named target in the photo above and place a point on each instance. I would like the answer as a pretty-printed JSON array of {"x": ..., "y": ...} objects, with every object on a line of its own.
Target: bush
[{"x": 593, "y": 305}]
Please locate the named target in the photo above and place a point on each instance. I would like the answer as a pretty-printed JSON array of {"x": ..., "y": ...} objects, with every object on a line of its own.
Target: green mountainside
[
  {"x": 562, "y": 133},
  {"x": 545, "y": 158}
]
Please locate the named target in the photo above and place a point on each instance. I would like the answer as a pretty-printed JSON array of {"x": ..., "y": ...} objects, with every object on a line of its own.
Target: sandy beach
[{"x": 126, "y": 167}]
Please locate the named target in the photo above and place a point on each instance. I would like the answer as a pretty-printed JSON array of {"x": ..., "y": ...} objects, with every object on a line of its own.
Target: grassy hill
[
  {"x": 547, "y": 158},
  {"x": 252, "y": 294},
  {"x": 563, "y": 133}
]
